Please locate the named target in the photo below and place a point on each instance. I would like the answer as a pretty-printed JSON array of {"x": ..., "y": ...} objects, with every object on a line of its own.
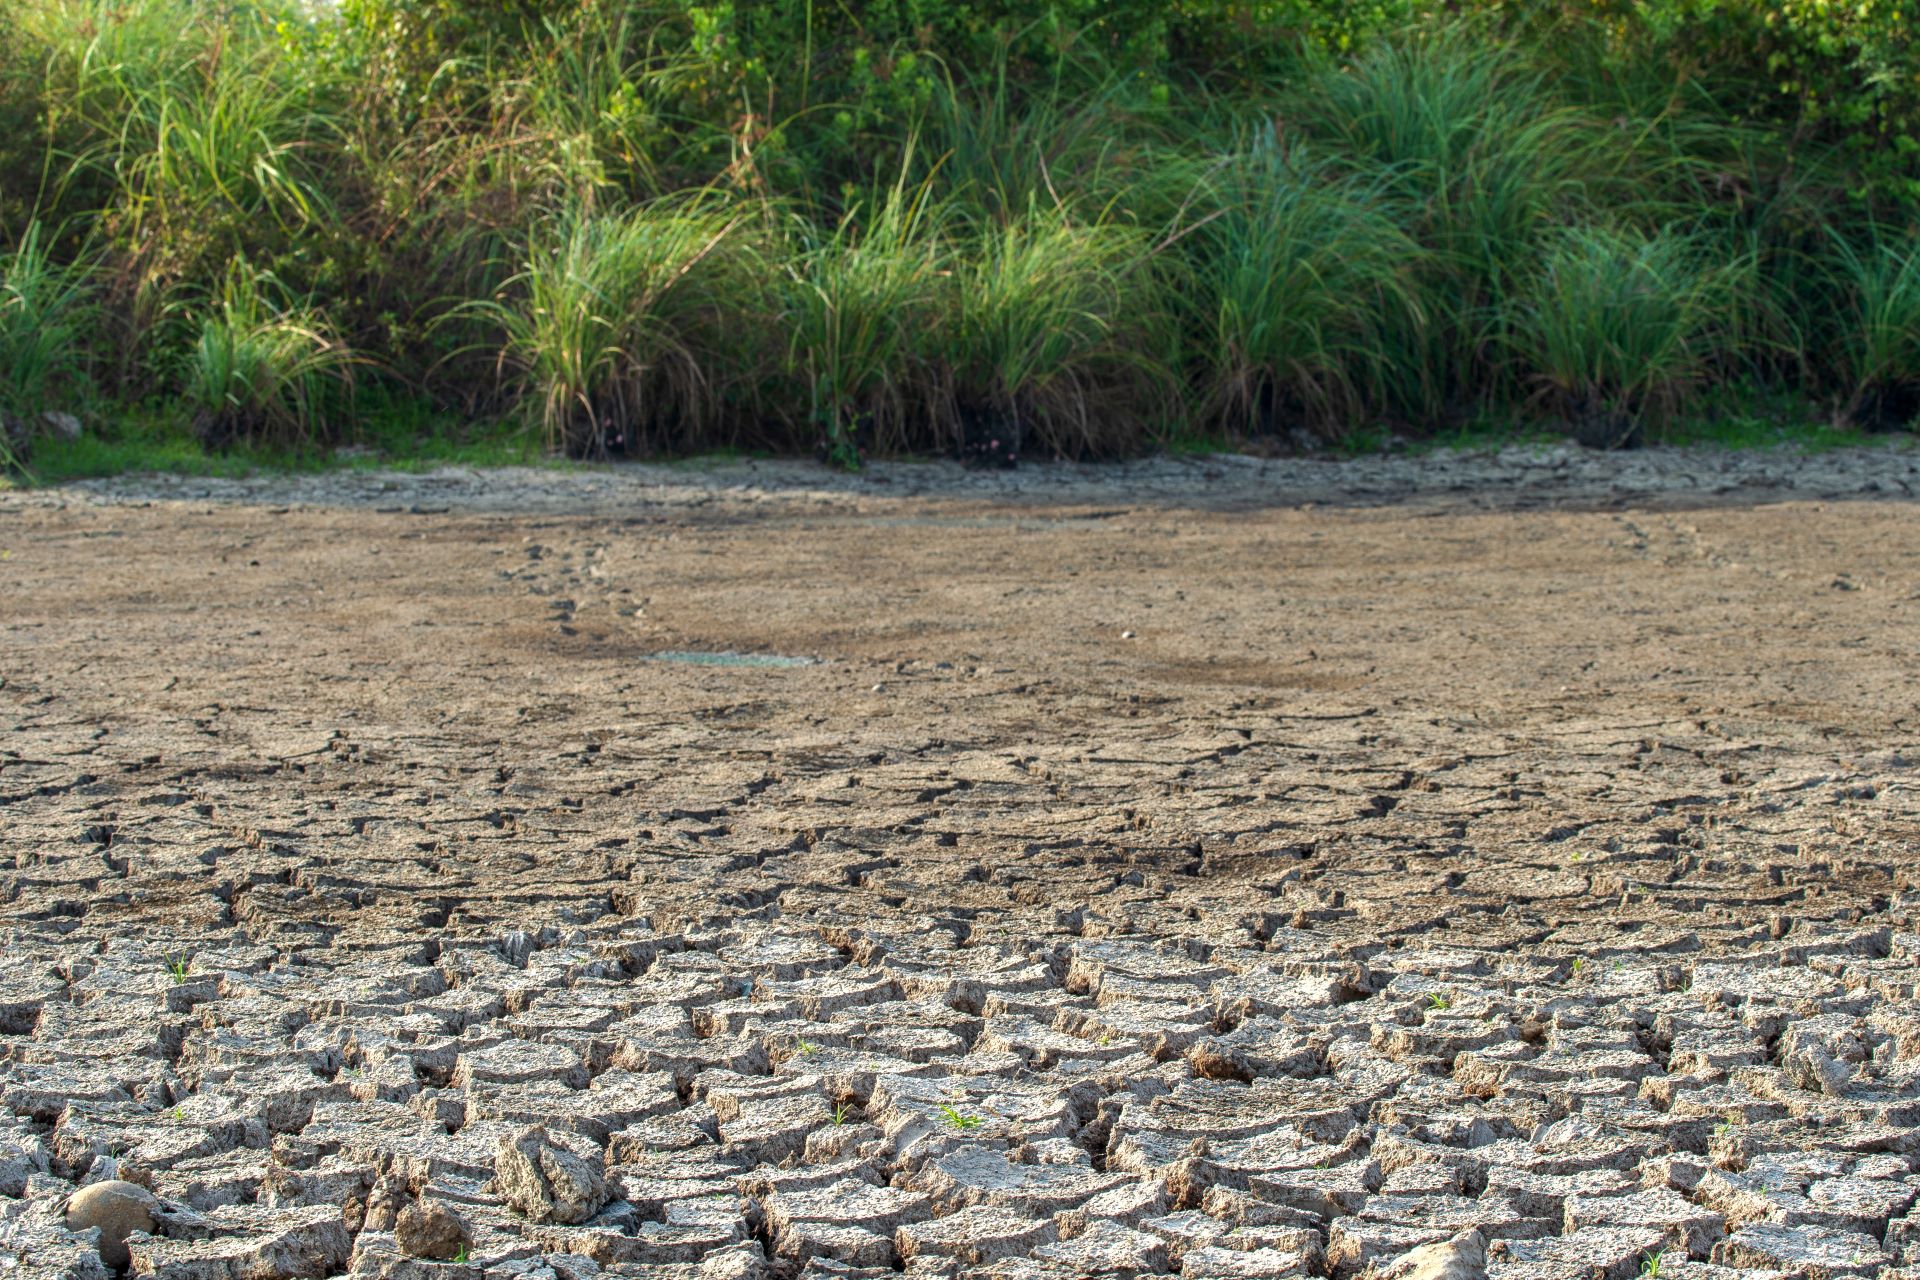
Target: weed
[
  {"x": 962, "y": 1121},
  {"x": 46, "y": 311},
  {"x": 1615, "y": 326},
  {"x": 1058, "y": 339},
  {"x": 1391, "y": 230},
  {"x": 862, "y": 302},
  {"x": 1878, "y": 351},
  {"x": 177, "y": 966},
  {"x": 1438, "y": 1000},
  {"x": 839, "y": 1113},
  {"x": 263, "y": 371},
  {"x": 806, "y": 1048},
  {"x": 461, "y": 1256},
  {"x": 1650, "y": 1265},
  {"x": 617, "y": 323},
  {"x": 1299, "y": 275},
  {"x": 1477, "y": 160}
]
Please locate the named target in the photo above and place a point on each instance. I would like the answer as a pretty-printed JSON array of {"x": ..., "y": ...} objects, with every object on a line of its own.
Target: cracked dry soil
[{"x": 1226, "y": 869}]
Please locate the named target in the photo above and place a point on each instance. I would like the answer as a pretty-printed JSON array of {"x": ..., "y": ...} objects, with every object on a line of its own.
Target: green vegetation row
[{"x": 998, "y": 228}]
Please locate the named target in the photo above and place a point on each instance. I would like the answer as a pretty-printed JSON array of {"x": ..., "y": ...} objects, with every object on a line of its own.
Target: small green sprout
[
  {"x": 807, "y": 1048},
  {"x": 1579, "y": 963},
  {"x": 1650, "y": 1266},
  {"x": 177, "y": 967},
  {"x": 959, "y": 1120},
  {"x": 1438, "y": 1000},
  {"x": 462, "y": 1257},
  {"x": 839, "y": 1113},
  {"x": 1106, "y": 1039}
]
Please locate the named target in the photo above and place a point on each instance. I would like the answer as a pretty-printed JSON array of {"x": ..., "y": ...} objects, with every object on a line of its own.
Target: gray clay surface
[{"x": 1481, "y": 865}]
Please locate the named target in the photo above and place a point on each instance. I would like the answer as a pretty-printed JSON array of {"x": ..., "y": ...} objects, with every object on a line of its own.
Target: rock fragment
[
  {"x": 116, "y": 1209},
  {"x": 431, "y": 1229},
  {"x": 545, "y": 1181},
  {"x": 1464, "y": 1257}
]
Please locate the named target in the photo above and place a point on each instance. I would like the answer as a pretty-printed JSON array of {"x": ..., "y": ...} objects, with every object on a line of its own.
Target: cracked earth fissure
[{"x": 1229, "y": 868}]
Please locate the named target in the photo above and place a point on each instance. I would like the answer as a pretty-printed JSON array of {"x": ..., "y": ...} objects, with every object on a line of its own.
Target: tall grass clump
[
  {"x": 1618, "y": 326},
  {"x": 1302, "y": 280},
  {"x": 999, "y": 227},
  {"x": 184, "y": 132},
  {"x": 863, "y": 302},
  {"x": 626, "y": 329},
  {"x": 1877, "y": 344},
  {"x": 263, "y": 371},
  {"x": 1480, "y": 164},
  {"x": 47, "y": 315},
  {"x": 1003, "y": 150},
  {"x": 1059, "y": 339}
]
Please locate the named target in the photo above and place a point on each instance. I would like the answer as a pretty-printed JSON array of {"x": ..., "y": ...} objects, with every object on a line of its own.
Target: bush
[
  {"x": 262, "y": 372},
  {"x": 1843, "y": 76},
  {"x": 996, "y": 226},
  {"x": 621, "y": 325},
  {"x": 1059, "y": 339},
  {"x": 1480, "y": 163},
  {"x": 863, "y": 303},
  {"x": 1302, "y": 287},
  {"x": 1877, "y": 354},
  {"x": 47, "y": 311},
  {"x": 1617, "y": 326}
]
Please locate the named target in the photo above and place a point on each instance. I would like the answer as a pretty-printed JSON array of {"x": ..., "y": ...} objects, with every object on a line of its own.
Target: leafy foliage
[
  {"x": 1616, "y": 324},
  {"x": 47, "y": 310},
  {"x": 619, "y": 323},
  {"x": 263, "y": 371},
  {"x": 1077, "y": 227}
]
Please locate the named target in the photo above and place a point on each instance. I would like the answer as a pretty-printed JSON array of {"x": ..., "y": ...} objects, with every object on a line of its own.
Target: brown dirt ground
[{"x": 1210, "y": 697}]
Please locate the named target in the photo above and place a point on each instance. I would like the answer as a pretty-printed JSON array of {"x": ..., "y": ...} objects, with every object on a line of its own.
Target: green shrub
[
  {"x": 1877, "y": 353},
  {"x": 178, "y": 136},
  {"x": 1481, "y": 163},
  {"x": 1058, "y": 339},
  {"x": 48, "y": 314},
  {"x": 1618, "y": 326},
  {"x": 864, "y": 302},
  {"x": 681, "y": 222},
  {"x": 261, "y": 371},
  {"x": 1301, "y": 284},
  {"x": 1839, "y": 75},
  {"x": 621, "y": 325}
]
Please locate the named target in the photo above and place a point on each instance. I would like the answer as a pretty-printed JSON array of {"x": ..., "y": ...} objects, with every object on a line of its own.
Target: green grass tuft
[
  {"x": 1301, "y": 280},
  {"x": 1059, "y": 339},
  {"x": 619, "y": 324},
  {"x": 46, "y": 312},
  {"x": 860, "y": 306},
  {"x": 1617, "y": 326},
  {"x": 262, "y": 371}
]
